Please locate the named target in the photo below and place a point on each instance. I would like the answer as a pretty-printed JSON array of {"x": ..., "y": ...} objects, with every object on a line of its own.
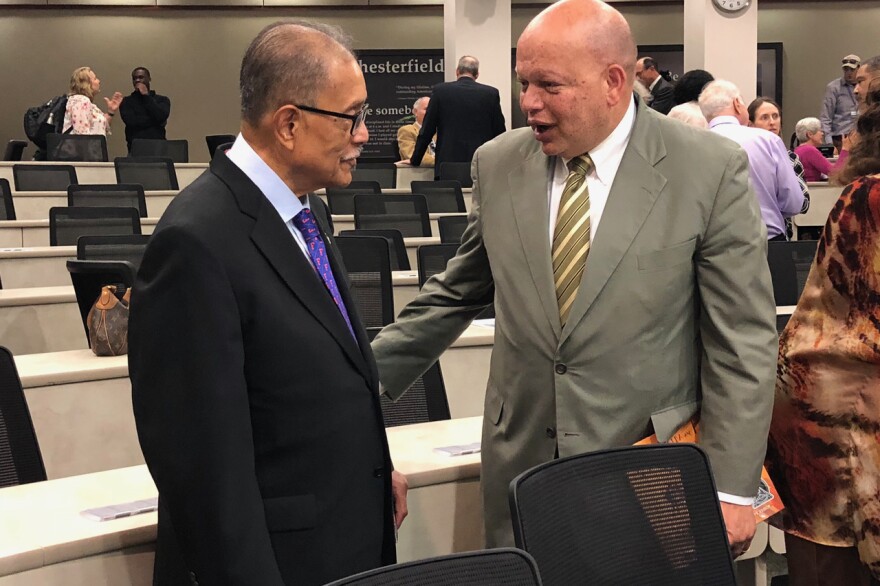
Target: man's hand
[
  {"x": 740, "y": 523},
  {"x": 141, "y": 87},
  {"x": 399, "y": 486}
]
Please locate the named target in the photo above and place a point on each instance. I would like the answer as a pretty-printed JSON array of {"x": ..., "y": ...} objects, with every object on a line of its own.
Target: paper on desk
[
  {"x": 459, "y": 450},
  {"x": 486, "y": 323},
  {"x": 121, "y": 510}
]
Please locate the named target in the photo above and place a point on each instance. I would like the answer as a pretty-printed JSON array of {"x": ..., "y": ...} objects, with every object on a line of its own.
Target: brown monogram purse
[{"x": 108, "y": 323}]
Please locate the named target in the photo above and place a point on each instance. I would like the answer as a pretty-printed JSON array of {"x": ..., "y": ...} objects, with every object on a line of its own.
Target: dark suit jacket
[
  {"x": 464, "y": 114},
  {"x": 257, "y": 412},
  {"x": 663, "y": 96}
]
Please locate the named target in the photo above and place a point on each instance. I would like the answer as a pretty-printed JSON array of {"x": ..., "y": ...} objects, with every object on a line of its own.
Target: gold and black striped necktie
[{"x": 571, "y": 237}]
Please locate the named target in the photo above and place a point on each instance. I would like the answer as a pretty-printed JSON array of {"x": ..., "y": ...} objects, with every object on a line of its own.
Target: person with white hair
[
  {"x": 770, "y": 172},
  {"x": 810, "y": 136},
  {"x": 407, "y": 134}
]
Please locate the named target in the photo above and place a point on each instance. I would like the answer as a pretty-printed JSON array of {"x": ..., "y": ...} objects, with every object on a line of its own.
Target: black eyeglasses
[
  {"x": 850, "y": 62},
  {"x": 356, "y": 119}
]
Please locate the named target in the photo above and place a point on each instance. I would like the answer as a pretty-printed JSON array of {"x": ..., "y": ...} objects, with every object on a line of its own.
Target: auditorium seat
[
  {"x": 43, "y": 177},
  {"x": 20, "y": 459},
  {"x": 407, "y": 213}
]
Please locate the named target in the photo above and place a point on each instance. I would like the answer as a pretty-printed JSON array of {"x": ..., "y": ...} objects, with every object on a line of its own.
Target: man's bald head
[
  {"x": 591, "y": 29},
  {"x": 288, "y": 63}
]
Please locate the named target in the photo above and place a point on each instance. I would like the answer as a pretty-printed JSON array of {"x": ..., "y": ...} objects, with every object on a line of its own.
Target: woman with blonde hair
[
  {"x": 824, "y": 446},
  {"x": 81, "y": 115}
]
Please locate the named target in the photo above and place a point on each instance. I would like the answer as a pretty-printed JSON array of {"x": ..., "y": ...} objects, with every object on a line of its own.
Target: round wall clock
[{"x": 731, "y": 5}]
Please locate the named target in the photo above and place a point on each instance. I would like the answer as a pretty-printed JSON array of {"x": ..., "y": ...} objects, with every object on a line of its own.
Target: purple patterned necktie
[{"x": 304, "y": 221}]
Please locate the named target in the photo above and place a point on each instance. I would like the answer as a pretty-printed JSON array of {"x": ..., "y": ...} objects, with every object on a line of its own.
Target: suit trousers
[{"x": 814, "y": 564}]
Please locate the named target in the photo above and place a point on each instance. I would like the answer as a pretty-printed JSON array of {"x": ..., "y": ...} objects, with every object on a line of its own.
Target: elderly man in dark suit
[
  {"x": 661, "y": 90},
  {"x": 464, "y": 114},
  {"x": 255, "y": 392}
]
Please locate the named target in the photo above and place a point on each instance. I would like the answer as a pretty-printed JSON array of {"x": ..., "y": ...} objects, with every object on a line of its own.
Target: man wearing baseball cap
[{"x": 840, "y": 109}]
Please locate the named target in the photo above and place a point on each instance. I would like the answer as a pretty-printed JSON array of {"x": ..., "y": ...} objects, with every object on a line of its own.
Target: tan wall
[{"x": 194, "y": 55}]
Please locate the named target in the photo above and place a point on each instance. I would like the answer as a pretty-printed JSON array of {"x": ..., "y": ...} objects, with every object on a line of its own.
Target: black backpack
[{"x": 43, "y": 119}]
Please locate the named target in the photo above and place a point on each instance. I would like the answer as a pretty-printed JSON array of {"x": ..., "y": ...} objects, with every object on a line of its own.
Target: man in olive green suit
[{"x": 672, "y": 313}]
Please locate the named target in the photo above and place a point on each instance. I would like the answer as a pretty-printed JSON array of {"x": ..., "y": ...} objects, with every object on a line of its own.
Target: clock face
[{"x": 732, "y": 5}]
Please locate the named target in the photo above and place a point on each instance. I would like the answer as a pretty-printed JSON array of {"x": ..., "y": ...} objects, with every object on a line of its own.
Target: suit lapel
[
  {"x": 633, "y": 193},
  {"x": 528, "y": 188},
  {"x": 275, "y": 242}
]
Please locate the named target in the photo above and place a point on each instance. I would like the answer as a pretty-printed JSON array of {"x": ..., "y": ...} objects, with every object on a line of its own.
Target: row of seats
[
  {"x": 152, "y": 173},
  {"x": 93, "y": 147},
  {"x": 99, "y": 195},
  {"x": 443, "y": 196},
  {"x": 386, "y": 173}
]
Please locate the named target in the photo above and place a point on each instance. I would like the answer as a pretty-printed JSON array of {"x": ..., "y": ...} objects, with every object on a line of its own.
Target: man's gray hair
[
  {"x": 469, "y": 65},
  {"x": 804, "y": 126},
  {"x": 287, "y": 63},
  {"x": 416, "y": 103},
  {"x": 718, "y": 95}
]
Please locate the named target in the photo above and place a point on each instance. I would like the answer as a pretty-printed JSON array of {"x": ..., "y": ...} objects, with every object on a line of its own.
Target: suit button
[
  {"x": 561, "y": 369},
  {"x": 377, "y": 472},
  {"x": 551, "y": 432}
]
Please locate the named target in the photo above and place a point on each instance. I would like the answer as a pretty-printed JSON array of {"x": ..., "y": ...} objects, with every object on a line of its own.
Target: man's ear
[{"x": 286, "y": 123}]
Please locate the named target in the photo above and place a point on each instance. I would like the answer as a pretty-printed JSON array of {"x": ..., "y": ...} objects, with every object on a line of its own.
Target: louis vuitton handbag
[{"x": 108, "y": 323}]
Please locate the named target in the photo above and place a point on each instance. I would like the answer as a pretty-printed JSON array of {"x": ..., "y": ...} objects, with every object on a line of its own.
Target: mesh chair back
[
  {"x": 20, "y": 458},
  {"x": 66, "y": 225},
  {"x": 215, "y": 140},
  {"x": 341, "y": 199},
  {"x": 153, "y": 173},
  {"x": 384, "y": 173},
  {"x": 43, "y": 177},
  {"x": 460, "y": 172},
  {"x": 451, "y": 228},
  {"x": 442, "y": 196},
  {"x": 89, "y": 276},
  {"x": 636, "y": 515},
  {"x": 176, "y": 150},
  {"x": 407, "y": 213},
  {"x": 7, "y": 206},
  {"x": 367, "y": 262},
  {"x": 425, "y": 400},
  {"x": 108, "y": 195},
  {"x": 789, "y": 267},
  {"x": 129, "y": 248},
  {"x": 495, "y": 567},
  {"x": 14, "y": 150},
  {"x": 781, "y": 322},
  {"x": 76, "y": 147},
  {"x": 433, "y": 259},
  {"x": 397, "y": 247}
]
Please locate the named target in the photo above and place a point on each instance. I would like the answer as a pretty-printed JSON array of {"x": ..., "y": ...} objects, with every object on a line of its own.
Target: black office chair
[
  {"x": 396, "y": 244},
  {"x": 442, "y": 196},
  {"x": 31, "y": 177},
  {"x": 177, "y": 150},
  {"x": 113, "y": 247},
  {"x": 781, "y": 322},
  {"x": 153, "y": 173},
  {"x": 341, "y": 199},
  {"x": 215, "y": 140},
  {"x": 407, "y": 213},
  {"x": 20, "y": 459},
  {"x": 367, "y": 262},
  {"x": 425, "y": 400},
  {"x": 451, "y": 228},
  {"x": 89, "y": 276},
  {"x": 108, "y": 195},
  {"x": 76, "y": 147},
  {"x": 460, "y": 172},
  {"x": 433, "y": 258},
  {"x": 494, "y": 567},
  {"x": 66, "y": 225},
  {"x": 790, "y": 264},
  {"x": 14, "y": 150},
  {"x": 7, "y": 205},
  {"x": 384, "y": 173},
  {"x": 635, "y": 515}
]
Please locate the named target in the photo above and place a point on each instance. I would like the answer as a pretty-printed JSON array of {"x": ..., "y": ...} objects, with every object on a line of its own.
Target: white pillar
[
  {"x": 724, "y": 44},
  {"x": 480, "y": 28}
]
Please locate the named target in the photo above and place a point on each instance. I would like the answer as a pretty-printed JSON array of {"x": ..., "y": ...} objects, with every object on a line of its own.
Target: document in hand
[{"x": 767, "y": 501}]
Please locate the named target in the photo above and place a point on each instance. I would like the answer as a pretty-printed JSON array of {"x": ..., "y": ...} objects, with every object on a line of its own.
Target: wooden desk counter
[
  {"x": 103, "y": 173},
  {"x": 35, "y": 205}
]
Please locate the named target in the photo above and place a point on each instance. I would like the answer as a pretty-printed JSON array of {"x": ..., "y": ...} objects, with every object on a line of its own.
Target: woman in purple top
[{"x": 810, "y": 136}]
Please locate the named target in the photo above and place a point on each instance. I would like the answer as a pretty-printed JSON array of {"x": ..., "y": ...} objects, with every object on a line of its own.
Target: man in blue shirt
[{"x": 839, "y": 108}]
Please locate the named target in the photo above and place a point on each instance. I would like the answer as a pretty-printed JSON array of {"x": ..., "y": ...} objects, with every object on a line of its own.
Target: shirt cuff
[{"x": 735, "y": 500}]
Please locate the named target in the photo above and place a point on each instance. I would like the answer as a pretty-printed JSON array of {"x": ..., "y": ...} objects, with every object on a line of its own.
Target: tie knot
[
  {"x": 582, "y": 165},
  {"x": 304, "y": 221}
]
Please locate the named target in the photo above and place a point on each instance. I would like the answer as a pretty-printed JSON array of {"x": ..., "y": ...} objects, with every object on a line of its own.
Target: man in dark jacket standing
[
  {"x": 661, "y": 90},
  {"x": 463, "y": 113},
  {"x": 144, "y": 112}
]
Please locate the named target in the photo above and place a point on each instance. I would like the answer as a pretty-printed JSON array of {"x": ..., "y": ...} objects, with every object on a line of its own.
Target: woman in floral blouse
[{"x": 81, "y": 115}]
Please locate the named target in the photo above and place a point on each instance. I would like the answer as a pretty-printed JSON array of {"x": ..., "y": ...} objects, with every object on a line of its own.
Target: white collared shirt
[
  {"x": 606, "y": 159},
  {"x": 285, "y": 202},
  {"x": 654, "y": 83}
]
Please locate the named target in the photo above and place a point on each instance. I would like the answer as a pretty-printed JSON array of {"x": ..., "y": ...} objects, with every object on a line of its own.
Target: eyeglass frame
[
  {"x": 851, "y": 62},
  {"x": 356, "y": 119}
]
